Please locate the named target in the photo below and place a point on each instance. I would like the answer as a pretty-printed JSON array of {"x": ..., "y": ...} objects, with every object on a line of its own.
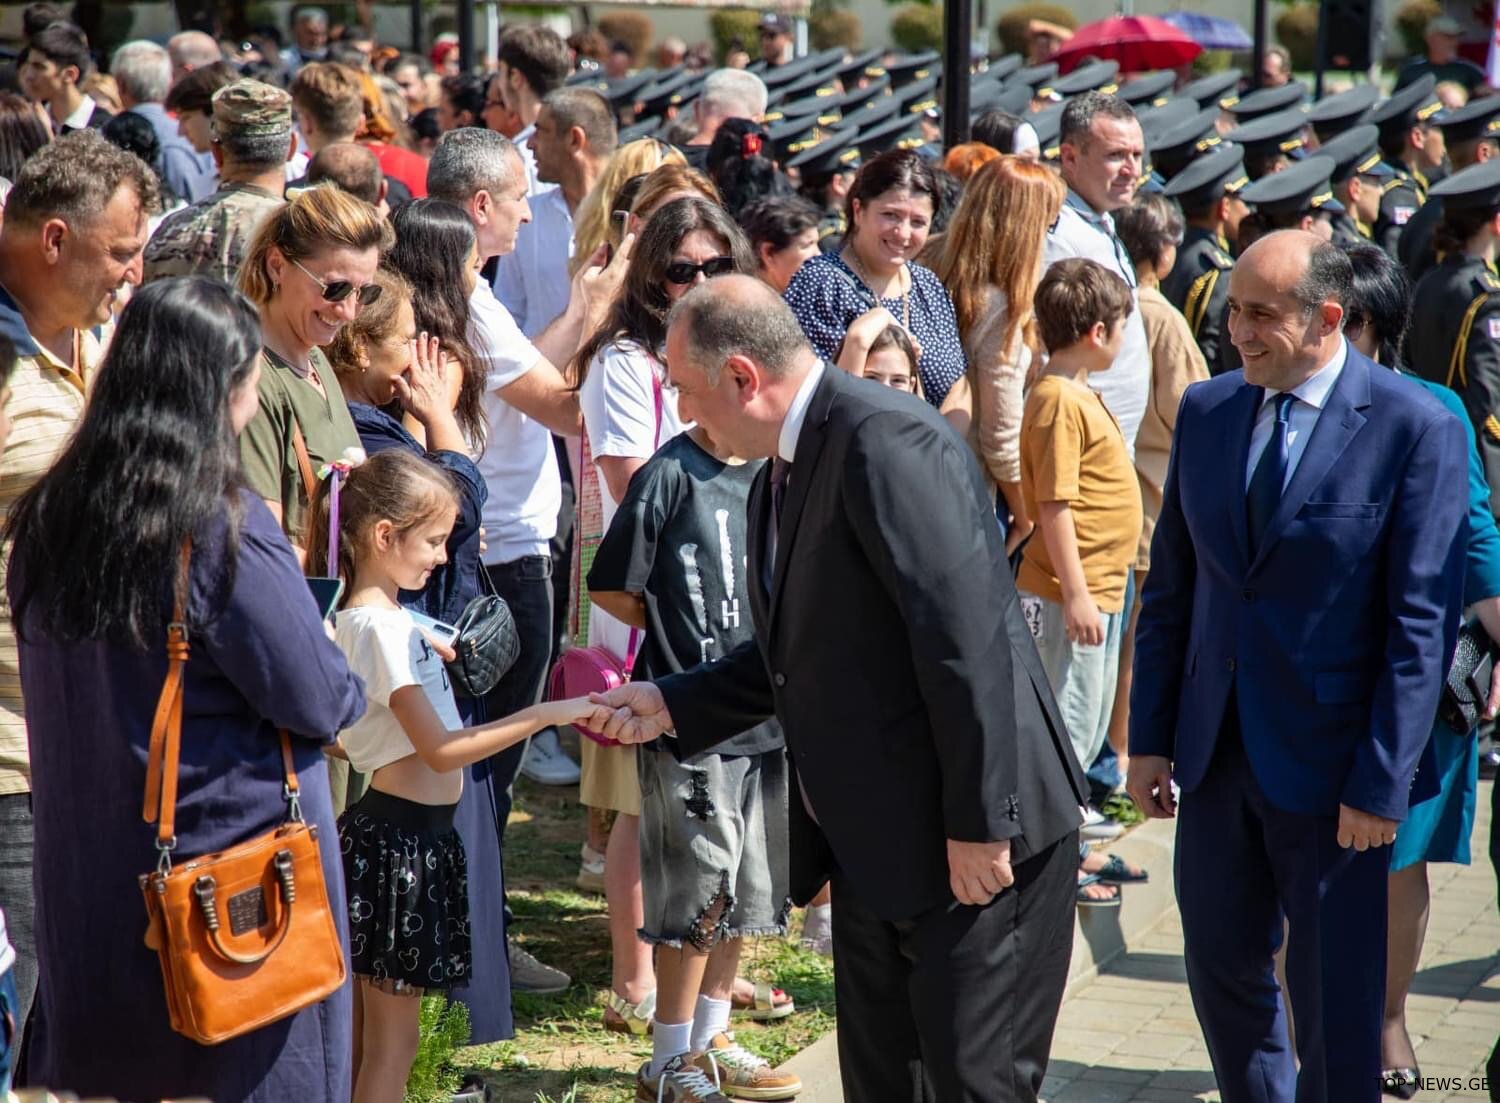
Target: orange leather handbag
[{"x": 245, "y": 936}]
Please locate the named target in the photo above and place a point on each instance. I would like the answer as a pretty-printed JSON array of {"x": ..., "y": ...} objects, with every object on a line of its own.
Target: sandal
[
  {"x": 1402, "y": 1083},
  {"x": 1087, "y": 901},
  {"x": 623, "y": 1017},
  {"x": 766, "y": 1005},
  {"x": 1117, "y": 871}
]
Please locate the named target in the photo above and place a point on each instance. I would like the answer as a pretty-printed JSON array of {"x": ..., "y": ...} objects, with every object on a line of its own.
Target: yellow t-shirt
[
  {"x": 1072, "y": 451},
  {"x": 46, "y": 402}
]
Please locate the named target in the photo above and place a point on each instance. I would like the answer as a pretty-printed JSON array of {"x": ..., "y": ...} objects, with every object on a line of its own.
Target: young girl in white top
[{"x": 404, "y": 867}]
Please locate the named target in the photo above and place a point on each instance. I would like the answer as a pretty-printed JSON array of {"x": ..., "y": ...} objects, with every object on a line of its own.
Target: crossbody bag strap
[
  {"x": 304, "y": 462},
  {"x": 634, "y": 642},
  {"x": 160, "y": 805}
]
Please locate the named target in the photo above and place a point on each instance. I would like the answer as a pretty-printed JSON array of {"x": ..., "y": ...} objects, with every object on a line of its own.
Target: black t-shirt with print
[{"x": 679, "y": 539}]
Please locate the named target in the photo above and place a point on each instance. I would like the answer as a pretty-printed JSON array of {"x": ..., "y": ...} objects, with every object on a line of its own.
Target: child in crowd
[
  {"x": 713, "y": 828},
  {"x": 892, "y": 361},
  {"x": 404, "y": 866},
  {"x": 1078, "y": 481}
]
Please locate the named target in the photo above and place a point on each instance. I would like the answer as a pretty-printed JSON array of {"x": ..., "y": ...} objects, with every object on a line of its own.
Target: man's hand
[
  {"x": 978, "y": 871},
  {"x": 640, "y": 714},
  {"x": 596, "y": 282},
  {"x": 1362, "y": 830},
  {"x": 1149, "y": 783}
]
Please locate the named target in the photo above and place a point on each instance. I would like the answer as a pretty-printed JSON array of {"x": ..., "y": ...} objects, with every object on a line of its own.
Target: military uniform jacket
[
  {"x": 1348, "y": 233},
  {"x": 1403, "y": 195},
  {"x": 1414, "y": 247},
  {"x": 831, "y": 229},
  {"x": 1198, "y": 285},
  {"x": 211, "y": 237},
  {"x": 1455, "y": 340}
]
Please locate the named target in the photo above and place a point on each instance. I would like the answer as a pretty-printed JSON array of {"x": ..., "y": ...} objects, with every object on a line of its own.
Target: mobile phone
[
  {"x": 326, "y": 592},
  {"x": 609, "y": 253},
  {"x": 439, "y": 630},
  {"x": 618, "y": 221}
]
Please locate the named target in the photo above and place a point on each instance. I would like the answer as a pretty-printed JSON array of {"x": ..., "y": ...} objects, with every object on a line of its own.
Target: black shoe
[{"x": 1401, "y": 1083}]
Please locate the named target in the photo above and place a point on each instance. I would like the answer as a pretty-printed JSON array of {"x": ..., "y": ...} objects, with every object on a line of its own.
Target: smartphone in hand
[{"x": 326, "y": 592}]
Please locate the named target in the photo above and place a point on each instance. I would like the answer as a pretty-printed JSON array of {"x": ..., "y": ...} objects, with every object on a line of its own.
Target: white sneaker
[
  {"x": 590, "y": 870},
  {"x": 1099, "y": 828},
  {"x": 546, "y": 763}
]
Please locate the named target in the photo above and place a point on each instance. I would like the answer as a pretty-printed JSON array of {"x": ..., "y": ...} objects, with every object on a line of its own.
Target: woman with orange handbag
[{"x": 97, "y": 545}]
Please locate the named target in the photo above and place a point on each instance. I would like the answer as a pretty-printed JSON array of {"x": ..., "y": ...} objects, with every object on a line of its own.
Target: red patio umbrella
[{"x": 1137, "y": 42}]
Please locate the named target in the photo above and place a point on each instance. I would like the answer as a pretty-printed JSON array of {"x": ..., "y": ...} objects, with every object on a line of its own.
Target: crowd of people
[{"x": 705, "y": 372}]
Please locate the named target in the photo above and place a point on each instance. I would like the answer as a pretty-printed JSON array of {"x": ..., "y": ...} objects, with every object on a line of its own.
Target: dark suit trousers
[
  {"x": 958, "y": 1004},
  {"x": 1241, "y": 866}
]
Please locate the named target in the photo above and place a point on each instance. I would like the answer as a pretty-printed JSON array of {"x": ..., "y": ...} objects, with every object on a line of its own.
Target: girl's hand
[
  {"x": 444, "y": 651},
  {"x": 423, "y": 387},
  {"x": 870, "y": 325},
  {"x": 578, "y": 711}
]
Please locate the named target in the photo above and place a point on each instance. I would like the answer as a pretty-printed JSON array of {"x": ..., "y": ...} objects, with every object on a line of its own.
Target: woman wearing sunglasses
[
  {"x": 628, "y": 412},
  {"x": 310, "y": 269}
]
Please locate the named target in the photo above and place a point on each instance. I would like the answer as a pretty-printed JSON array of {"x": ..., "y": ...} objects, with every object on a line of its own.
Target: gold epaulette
[{"x": 1195, "y": 307}]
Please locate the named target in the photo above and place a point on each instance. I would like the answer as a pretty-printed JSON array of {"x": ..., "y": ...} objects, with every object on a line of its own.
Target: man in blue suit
[{"x": 1294, "y": 633}]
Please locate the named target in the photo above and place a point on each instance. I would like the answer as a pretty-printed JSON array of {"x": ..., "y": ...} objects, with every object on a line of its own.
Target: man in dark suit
[
  {"x": 936, "y": 786},
  {"x": 1294, "y": 632}
]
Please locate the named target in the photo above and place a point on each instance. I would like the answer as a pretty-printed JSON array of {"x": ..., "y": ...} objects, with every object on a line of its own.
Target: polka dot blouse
[{"x": 826, "y": 296}]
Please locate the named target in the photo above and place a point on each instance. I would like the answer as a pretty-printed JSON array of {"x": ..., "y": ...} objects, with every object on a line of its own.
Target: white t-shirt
[
  {"x": 388, "y": 651},
  {"x": 619, "y": 414},
  {"x": 518, "y": 463}
]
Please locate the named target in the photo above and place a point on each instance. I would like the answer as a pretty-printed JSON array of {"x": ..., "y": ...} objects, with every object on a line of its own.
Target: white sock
[
  {"x": 710, "y": 1017},
  {"x": 818, "y": 921},
  {"x": 667, "y": 1041}
]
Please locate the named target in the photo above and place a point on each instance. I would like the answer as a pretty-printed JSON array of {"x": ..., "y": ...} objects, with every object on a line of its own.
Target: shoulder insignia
[
  {"x": 1461, "y": 346},
  {"x": 1195, "y": 307},
  {"x": 1492, "y": 428},
  {"x": 1392, "y": 184},
  {"x": 1220, "y": 258},
  {"x": 1401, "y": 214}
]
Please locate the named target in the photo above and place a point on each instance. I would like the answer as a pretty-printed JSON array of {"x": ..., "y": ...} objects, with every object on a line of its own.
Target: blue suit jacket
[{"x": 1335, "y": 636}]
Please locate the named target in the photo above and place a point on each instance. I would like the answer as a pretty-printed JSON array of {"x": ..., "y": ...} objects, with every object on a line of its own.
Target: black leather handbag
[
  {"x": 1467, "y": 687},
  {"x": 487, "y": 644}
]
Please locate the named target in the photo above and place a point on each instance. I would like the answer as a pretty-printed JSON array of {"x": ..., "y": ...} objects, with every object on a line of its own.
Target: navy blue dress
[
  {"x": 826, "y": 296},
  {"x": 260, "y": 660},
  {"x": 452, "y": 586}
]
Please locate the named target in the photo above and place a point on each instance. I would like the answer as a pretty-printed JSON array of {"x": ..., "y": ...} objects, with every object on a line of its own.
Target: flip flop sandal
[
  {"x": 763, "y": 1007},
  {"x": 1087, "y": 901},
  {"x": 623, "y": 1017},
  {"x": 1116, "y": 872}
]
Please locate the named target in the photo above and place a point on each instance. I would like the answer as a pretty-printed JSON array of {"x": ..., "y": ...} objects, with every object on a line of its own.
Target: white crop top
[{"x": 387, "y": 650}]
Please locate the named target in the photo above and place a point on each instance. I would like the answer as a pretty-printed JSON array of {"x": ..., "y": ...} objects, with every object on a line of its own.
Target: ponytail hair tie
[{"x": 750, "y": 145}]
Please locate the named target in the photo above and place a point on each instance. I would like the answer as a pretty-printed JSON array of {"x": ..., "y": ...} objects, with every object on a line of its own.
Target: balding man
[
  {"x": 938, "y": 788},
  {"x": 352, "y": 167},
  {"x": 1305, "y": 585},
  {"x": 192, "y": 50}
]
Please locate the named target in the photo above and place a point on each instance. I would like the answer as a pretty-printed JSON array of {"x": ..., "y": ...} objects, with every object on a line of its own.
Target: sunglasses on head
[
  {"x": 683, "y": 271},
  {"x": 339, "y": 290}
]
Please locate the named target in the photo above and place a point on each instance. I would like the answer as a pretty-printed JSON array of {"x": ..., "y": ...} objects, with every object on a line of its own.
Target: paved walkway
[{"x": 1130, "y": 1033}]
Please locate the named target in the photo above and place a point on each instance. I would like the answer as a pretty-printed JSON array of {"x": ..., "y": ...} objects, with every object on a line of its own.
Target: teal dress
[{"x": 1438, "y": 829}]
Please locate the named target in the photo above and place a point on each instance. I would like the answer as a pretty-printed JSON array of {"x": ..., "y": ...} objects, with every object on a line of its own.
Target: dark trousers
[
  {"x": 957, "y": 1005},
  {"x": 526, "y": 586},
  {"x": 17, "y": 902},
  {"x": 1245, "y": 871}
]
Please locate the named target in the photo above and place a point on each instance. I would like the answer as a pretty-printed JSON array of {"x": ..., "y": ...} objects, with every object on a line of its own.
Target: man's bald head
[
  {"x": 739, "y": 315},
  {"x": 352, "y": 167},
  {"x": 190, "y": 50},
  {"x": 1286, "y": 307}
]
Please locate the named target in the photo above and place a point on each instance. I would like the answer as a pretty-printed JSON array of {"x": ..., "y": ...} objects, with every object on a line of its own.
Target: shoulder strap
[
  {"x": 1461, "y": 346},
  {"x": 163, "y": 752},
  {"x": 304, "y": 461}
]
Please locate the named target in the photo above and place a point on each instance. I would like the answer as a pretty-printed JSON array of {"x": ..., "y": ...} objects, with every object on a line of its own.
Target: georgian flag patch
[
  {"x": 1494, "y": 324},
  {"x": 1400, "y": 215}
]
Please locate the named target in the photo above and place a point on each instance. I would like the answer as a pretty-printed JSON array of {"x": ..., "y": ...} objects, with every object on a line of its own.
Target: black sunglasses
[
  {"x": 683, "y": 271},
  {"x": 339, "y": 290}
]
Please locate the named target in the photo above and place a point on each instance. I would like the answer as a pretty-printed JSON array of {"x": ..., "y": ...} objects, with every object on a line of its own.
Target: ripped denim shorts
[{"x": 713, "y": 847}]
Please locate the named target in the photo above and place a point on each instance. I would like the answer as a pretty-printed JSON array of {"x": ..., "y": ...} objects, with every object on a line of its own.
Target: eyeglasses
[
  {"x": 683, "y": 271},
  {"x": 339, "y": 290}
]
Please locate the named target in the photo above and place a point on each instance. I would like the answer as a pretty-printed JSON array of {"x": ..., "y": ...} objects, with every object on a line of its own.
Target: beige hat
[{"x": 251, "y": 107}]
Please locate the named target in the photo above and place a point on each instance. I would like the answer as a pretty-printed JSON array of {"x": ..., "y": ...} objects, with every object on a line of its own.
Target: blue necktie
[{"x": 1264, "y": 494}]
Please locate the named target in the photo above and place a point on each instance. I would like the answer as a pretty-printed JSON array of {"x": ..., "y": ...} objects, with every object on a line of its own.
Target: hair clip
[
  {"x": 351, "y": 458},
  {"x": 750, "y": 145}
]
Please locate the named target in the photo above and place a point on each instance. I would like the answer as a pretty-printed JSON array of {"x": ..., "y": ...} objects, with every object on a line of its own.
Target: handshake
[{"x": 631, "y": 713}]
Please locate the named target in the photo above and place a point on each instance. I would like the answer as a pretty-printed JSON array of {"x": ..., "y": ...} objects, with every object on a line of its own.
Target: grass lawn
[{"x": 561, "y": 1046}]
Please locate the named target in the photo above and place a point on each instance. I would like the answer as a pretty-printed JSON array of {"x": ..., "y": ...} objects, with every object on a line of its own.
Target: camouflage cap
[{"x": 249, "y": 107}]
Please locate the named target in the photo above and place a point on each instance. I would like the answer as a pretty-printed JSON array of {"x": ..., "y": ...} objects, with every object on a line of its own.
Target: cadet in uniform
[
  {"x": 1207, "y": 190},
  {"x": 1270, "y": 141},
  {"x": 826, "y": 172},
  {"x": 1470, "y": 135},
  {"x": 1455, "y": 316},
  {"x": 252, "y": 125},
  {"x": 1300, "y": 198},
  {"x": 1332, "y": 115},
  {"x": 1359, "y": 179},
  {"x": 1411, "y": 144}
]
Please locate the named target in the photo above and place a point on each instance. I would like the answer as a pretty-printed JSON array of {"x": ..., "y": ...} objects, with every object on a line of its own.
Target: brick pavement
[{"x": 1130, "y": 1033}]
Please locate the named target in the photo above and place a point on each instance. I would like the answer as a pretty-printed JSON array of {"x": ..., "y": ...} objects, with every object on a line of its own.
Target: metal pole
[
  {"x": 958, "y": 32},
  {"x": 466, "y": 35},
  {"x": 1322, "y": 50},
  {"x": 416, "y": 27},
  {"x": 1260, "y": 43}
]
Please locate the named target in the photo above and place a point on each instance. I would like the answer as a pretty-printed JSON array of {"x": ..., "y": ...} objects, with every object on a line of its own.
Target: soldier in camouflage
[{"x": 252, "y": 124}]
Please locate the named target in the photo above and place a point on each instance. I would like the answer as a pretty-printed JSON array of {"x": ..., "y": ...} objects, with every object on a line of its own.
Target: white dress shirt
[
  {"x": 1311, "y": 396},
  {"x": 796, "y": 413},
  {"x": 79, "y": 120},
  {"x": 532, "y": 280}
]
